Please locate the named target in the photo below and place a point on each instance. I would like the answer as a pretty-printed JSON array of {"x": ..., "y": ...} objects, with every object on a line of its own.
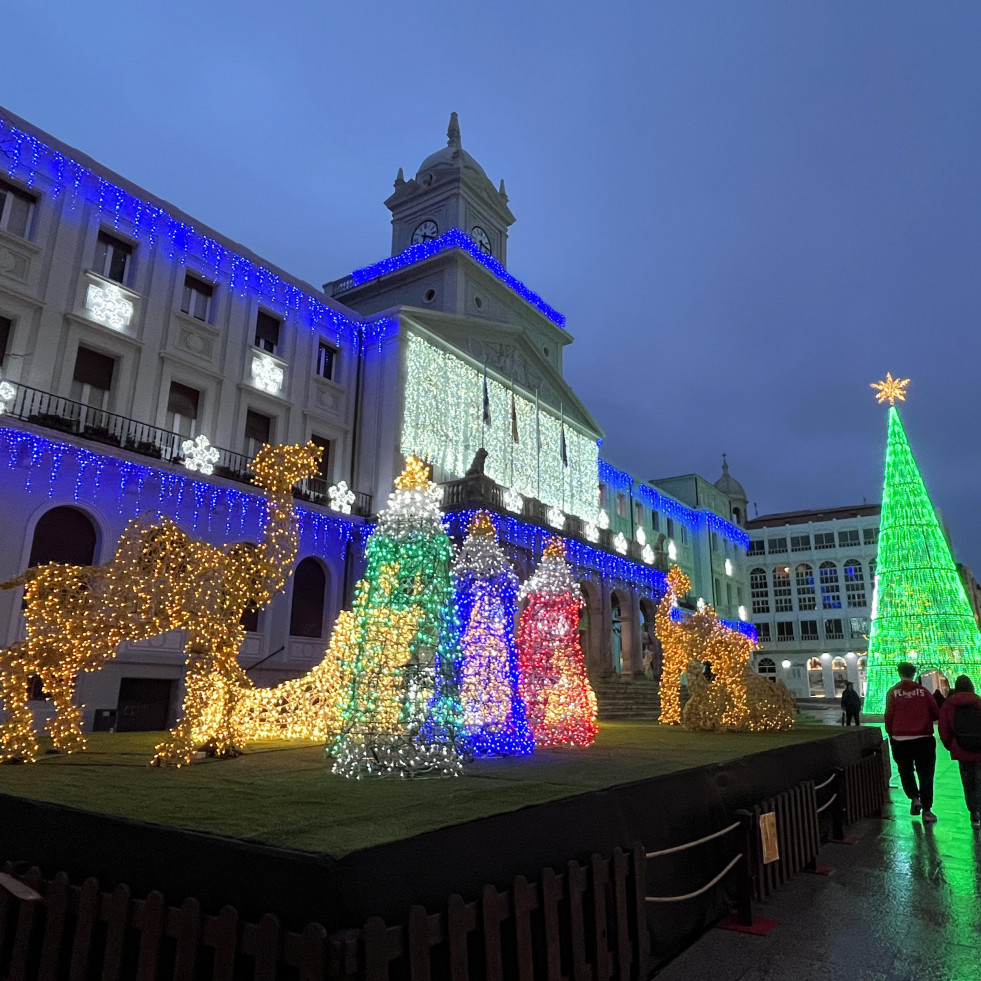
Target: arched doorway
[
  {"x": 651, "y": 653},
  {"x": 616, "y": 634},
  {"x": 63, "y": 534},
  {"x": 307, "y": 605}
]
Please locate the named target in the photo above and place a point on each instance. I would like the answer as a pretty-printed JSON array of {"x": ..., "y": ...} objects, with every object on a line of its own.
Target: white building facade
[{"x": 811, "y": 582}]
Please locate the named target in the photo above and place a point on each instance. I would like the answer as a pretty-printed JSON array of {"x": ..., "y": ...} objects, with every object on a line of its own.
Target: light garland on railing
[{"x": 455, "y": 239}]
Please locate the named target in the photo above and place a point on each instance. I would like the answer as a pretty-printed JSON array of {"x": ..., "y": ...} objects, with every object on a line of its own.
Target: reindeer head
[{"x": 278, "y": 468}]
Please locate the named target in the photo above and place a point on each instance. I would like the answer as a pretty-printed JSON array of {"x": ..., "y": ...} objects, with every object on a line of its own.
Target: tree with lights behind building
[
  {"x": 487, "y": 589},
  {"x": 398, "y": 705},
  {"x": 920, "y": 612},
  {"x": 559, "y": 701}
]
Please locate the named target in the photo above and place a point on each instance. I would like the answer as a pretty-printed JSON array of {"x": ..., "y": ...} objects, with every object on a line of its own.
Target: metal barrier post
[
  {"x": 838, "y": 806},
  {"x": 744, "y": 883}
]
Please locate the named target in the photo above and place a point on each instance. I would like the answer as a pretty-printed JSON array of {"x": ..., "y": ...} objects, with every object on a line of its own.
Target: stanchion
[{"x": 742, "y": 921}]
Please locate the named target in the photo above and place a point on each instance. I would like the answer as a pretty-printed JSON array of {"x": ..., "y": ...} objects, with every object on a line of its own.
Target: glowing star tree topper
[{"x": 920, "y": 611}]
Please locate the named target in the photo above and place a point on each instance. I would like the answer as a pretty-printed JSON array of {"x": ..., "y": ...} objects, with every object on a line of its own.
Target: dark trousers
[
  {"x": 971, "y": 779},
  {"x": 851, "y": 716},
  {"x": 919, "y": 755}
]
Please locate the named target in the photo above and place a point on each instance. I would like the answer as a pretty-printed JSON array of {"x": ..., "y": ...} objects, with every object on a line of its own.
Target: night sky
[{"x": 747, "y": 211}]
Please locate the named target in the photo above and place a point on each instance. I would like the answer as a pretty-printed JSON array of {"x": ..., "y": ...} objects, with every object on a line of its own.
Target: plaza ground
[{"x": 284, "y": 794}]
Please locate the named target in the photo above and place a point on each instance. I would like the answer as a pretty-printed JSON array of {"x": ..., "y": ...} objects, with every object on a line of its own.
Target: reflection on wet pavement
[{"x": 903, "y": 904}]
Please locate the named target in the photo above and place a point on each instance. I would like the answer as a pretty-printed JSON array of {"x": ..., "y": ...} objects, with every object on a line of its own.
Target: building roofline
[{"x": 813, "y": 514}]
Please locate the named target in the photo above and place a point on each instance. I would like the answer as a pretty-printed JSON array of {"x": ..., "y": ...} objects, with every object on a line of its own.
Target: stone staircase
[{"x": 627, "y": 698}]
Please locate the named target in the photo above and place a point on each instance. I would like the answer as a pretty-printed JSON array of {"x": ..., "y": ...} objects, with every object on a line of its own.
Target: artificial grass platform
[{"x": 284, "y": 794}]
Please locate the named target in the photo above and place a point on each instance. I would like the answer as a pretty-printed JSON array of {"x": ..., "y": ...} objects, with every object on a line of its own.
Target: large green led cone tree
[{"x": 920, "y": 610}]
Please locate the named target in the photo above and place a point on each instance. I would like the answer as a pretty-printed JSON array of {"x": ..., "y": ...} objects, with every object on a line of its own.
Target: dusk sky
[{"x": 747, "y": 211}]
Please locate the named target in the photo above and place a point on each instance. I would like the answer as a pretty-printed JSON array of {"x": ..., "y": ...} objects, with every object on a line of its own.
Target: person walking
[
  {"x": 851, "y": 704},
  {"x": 960, "y": 732},
  {"x": 910, "y": 714}
]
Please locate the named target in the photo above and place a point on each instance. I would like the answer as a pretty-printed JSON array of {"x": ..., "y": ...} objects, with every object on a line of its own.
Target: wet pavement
[{"x": 903, "y": 904}]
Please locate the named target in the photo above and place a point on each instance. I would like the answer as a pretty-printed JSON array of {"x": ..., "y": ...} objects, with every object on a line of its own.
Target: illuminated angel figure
[{"x": 159, "y": 579}]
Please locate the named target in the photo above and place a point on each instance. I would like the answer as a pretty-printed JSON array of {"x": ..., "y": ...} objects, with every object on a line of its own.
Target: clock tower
[{"x": 450, "y": 190}]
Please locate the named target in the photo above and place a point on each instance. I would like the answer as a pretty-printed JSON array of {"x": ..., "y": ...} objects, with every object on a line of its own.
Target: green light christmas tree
[{"x": 920, "y": 612}]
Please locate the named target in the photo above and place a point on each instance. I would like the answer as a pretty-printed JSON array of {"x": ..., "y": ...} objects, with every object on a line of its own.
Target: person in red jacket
[
  {"x": 958, "y": 729},
  {"x": 910, "y": 714}
]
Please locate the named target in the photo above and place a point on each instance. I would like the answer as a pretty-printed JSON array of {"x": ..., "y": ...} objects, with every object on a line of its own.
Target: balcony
[
  {"x": 479, "y": 491},
  {"x": 98, "y": 426}
]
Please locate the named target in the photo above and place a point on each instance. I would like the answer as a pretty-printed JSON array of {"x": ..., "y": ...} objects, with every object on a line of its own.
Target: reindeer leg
[{"x": 18, "y": 742}]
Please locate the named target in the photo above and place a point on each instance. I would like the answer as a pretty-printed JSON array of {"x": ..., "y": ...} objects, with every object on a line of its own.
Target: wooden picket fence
[{"x": 587, "y": 922}]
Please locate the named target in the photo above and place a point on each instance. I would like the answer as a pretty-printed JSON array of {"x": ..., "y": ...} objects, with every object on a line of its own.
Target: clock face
[
  {"x": 481, "y": 238},
  {"x": 426, "y": 232}
]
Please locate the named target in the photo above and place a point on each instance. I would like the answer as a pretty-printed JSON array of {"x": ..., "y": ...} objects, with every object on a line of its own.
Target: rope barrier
[
  {"x": 827, "y": 804},
  {"x": 692, "y": 844},
  {"x": 821, "y": 786},
  {"x": 697, "y": 892}
]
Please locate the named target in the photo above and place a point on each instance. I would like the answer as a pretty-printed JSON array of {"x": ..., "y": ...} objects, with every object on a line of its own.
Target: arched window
[
  {"x": 758, "y": 591},
  {"x": 309, "y": 590},
  {"x": 830, "y": 592},
  {"x": 839, "y": 664},
  {"x": 767, "y": 667},
  {"x": 805, "y": 587},
  {"x": 814, "y": 664},
  {"x": 854, "y": 584},
  {"x": 63, "y": 534},
  {"x": 872, "y": 571},
  {"x": 782, "y": 600}
]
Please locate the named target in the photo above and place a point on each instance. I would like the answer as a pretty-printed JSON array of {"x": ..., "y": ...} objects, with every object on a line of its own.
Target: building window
[
  {"x": 112, "y": 257},
  {"x": 307, "y": 608},
  {"x": 655, "y": 521},
  {"x": 717, "y": 596},
  {"x": 196, "y": 301},
  {"x": 859, "y": 626},
  {"x": 92, "y": 377},
  {"x": 258, "y": 430},
  {"x": 767, "y": 667},
  {"x": 267, "y": 332},
  {"x": 854, "y": 584},
  {"x": 872, "y": 571},
  {"x": 830, "y": 593},
  {"x": 870, "y": 536},
  {"x": 800, "y": 543},
  {"x": 824, "y": 539},
  {"x": 604, "y": 496},
  {"x": 804, "y": 576},
  {"x": 16, "y": 207},
  {"x": 622, "y": 505},
  {"x": 684, "y": 535},
  {"x": 323, "y": 468},
  {"x": 63, "y": 534},
  {"x": 182, "y": 409},
  {"x": 755, "y": 547},
  {"x": 776, "y": 546},
  {"x": 638, "y": 513},
  {"x": 758, "y": 591},
  {"x": 6, "y": 329},
  {"x": 762, "y": 632},
  {"x": 670, "y": 528},
  {"x": 715, "y": 542},
  {"x": 832, "y": 630},
  {"x": 729, "y": 594},
  {"x": 782, "y": 601},
  {"x": 848, "y": 539},
  {"x": 785, "y": 631},
  {"x": 808, "y": 630},
  {"x": 326, "y": 356}
]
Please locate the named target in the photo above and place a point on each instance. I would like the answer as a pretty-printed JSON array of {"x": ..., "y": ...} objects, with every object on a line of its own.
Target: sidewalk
[{"x": 903, "y": 904}]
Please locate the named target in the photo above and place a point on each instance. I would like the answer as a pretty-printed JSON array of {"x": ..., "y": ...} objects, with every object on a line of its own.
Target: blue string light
[
  {"x": 455, "y": 239},
  {"x": 680, "y": 615}
]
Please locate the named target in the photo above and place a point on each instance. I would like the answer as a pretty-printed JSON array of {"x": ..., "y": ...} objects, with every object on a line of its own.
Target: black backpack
[{"x": 967, "y": 726}]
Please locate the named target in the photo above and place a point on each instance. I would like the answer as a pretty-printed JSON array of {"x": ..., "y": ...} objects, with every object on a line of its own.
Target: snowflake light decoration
[
  {"x": 743, "y": 615},
  {"x": 620, "y": 543},
  {"x": 672, "y": 551},
  {"x": 341, "y": 497},
  {"x": 199, "y": 454},
  {"x": 641, "y": 536},
  {"x": 728, "y": 567},
  {"x": 513, "y": 501},
  {"x": 7, "y": 392},
  {"x": 603, "y": 519},
  {"x": 647, "y": 554},
  {"x": 108, "y": 305},
  {"x": 266, "y": 374},
  {"x": 591, "y": 531},
  {"x": 556, "y": 517}
]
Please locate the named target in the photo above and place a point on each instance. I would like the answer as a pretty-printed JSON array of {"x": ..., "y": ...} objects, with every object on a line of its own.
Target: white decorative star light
[
  {"x": 266, "y": 374},
  {"x": 513, "y": 501},
  {"x": 199, "y": 454},
  {"x": 7, "y": 392},
  {"x": 591, "y": 531},
  {"x": 341, "y": 497},
  {"x": 641, "y": 536},
  {"x": 556, "y": 517},
  {"x": 672, "y": 551},
  {"x": 743, "y": 615},
  {"x": 620, "y": 543},
  {"x": 647, "y": 554},
  {"x": 603, "y": 519},
  {"x": 728, "y": 567},
  {"x": 108, "y": 305}
]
